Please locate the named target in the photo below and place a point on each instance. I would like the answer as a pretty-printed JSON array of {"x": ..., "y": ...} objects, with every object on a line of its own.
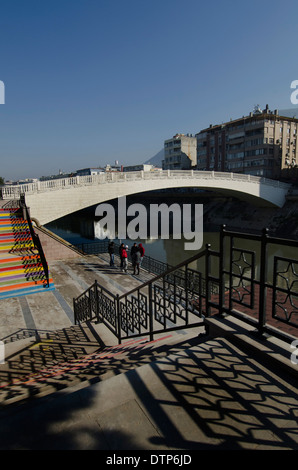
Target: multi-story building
[
  {"x": 263, "y": 144},
  {"x": 180, "y": 152},
  {"x": 89, "y": 171},
  {"x": 140, "y": 167}
]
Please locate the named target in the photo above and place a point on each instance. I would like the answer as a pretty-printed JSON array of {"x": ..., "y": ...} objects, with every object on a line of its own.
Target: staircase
[
  {"x": 76, "y": 356},
  {"x": 21, "y": 267},
  {"x": 169, "y": 394}
]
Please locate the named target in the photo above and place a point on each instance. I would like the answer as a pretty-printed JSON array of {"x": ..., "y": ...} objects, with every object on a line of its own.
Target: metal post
[
  {"x": 74, "y": 310},
  {"x": 150, "y": 312},
  {"x": 263, "y": 288},
  {"x": 186, "y": 294},
  {"x": 221, "y": 270},
  {"x": 118, "y": 319},
  {"x": 90, "y": 302},
  {"x": 207, "y": 285},
  {"x": 96, "y": 301},
  {"x": 231, "y": 273}
]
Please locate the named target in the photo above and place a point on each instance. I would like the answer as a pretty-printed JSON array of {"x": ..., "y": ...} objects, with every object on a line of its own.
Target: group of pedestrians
[{"x": 137, "y": 253}]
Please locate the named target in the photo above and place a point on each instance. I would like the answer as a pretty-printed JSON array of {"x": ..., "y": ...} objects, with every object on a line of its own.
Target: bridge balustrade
[{"x": 14, "y": 192}]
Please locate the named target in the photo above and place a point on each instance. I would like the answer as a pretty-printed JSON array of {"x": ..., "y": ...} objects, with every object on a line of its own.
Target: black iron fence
[
  {"x": 169, "y": 301},
  {"x": 258, "y": 280},
  {"x": 249, "y": 277}
]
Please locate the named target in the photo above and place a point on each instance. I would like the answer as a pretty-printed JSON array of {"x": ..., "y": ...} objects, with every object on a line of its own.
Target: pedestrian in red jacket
[
  {"x": 142, "y": 251},
  {"x": 124, "y": 258}
]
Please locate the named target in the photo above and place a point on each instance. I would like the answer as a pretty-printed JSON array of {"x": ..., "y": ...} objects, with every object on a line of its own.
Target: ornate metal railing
[
  {"x": 256, "y": 284},
  {"x": 260, "y": 285},
  {"x": 169, "y": 301}
]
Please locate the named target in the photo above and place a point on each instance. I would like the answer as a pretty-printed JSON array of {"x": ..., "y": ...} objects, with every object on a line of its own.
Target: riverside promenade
[{"x": 72, "y": 387}]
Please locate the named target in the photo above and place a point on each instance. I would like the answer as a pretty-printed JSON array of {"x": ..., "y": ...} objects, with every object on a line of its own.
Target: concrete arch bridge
[{"x": 50, "y": 200}]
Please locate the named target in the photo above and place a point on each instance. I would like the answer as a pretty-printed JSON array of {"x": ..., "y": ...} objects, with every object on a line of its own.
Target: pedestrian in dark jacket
[
  {"x": 111, "y": 250},
  {"x": 120, "y": 254},
  {"x": 136, "y": 261},
  {"x": 135, "y": 257},
  {"x": 134, "y": 248}
]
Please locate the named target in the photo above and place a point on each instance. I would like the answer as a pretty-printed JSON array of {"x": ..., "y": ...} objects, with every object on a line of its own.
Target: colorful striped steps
[{"x": 21, "y": 269}]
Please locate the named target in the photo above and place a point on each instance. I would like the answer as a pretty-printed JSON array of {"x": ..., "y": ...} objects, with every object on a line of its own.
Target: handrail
[
  {"x": 35, "y": 238},
  {"x": 116, "y": 309}
]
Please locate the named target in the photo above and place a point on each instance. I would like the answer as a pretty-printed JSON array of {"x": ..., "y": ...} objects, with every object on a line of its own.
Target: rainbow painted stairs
[{"x": 21, "y": 268}]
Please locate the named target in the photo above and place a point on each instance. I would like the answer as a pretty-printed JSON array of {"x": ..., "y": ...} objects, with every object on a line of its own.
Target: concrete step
[
  {"x": 39, "y": 367},
  {"x": 209, "y": 396}
]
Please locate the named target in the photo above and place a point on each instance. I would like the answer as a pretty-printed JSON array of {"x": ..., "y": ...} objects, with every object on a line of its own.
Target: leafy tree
[{"x": 2, "y": 181}]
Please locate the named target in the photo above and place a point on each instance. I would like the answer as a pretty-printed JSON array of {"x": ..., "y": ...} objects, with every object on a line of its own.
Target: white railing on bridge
[{"x": 14, "y": 192}]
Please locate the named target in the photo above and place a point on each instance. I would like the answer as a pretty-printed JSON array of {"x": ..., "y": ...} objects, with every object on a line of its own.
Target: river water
[{"x": 84, "y": 228}]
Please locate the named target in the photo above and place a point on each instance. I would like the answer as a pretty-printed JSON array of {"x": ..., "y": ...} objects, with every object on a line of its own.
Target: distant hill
[{"x": 156, "y": 159}]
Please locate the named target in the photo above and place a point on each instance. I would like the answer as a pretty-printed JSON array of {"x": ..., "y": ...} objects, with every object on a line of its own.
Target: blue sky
[{"x": 88, "y": 82}]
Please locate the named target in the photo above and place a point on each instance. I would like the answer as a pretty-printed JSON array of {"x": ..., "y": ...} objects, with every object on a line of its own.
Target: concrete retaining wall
[{"x": 55, "y": 249}]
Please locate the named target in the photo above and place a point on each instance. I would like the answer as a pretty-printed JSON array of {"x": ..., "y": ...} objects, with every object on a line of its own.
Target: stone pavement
[{"x": 70, "y": 387}]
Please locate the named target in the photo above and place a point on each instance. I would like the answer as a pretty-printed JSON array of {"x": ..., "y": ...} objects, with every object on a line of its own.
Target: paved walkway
[{"x": 180, "y": 392}]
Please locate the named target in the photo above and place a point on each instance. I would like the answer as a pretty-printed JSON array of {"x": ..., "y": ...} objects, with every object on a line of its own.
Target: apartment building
[
  {"x": 180, "y": 152},
  {"x": 262, "y": 144}
]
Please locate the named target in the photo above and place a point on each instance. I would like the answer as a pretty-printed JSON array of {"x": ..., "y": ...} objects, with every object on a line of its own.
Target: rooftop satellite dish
[{"x": 257, "y": 109}]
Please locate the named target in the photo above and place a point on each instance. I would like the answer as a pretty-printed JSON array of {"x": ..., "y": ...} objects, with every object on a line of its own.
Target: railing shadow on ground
[
  {"x": 27, "y": 247},
  {"x": 203, "y": 396},
  {"x": 35, "y": 241},
  {"x": 229, "y": 401},
  {"x": 43, "y": 350}
]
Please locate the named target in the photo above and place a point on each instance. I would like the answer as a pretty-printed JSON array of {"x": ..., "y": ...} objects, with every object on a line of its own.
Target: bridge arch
[{"x": 51, "y": 200}]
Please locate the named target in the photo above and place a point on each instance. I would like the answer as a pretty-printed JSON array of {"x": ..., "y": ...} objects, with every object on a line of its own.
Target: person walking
[
  {"x": 134, "y": 248},
  {"x": 120, "y": 254},
  {"x": 135, "y": 258},
  {"x": 136, "y": 262},
  {"x": 125, "y": 260},
  {"x": 111, "y": 250},
  {"x": 142, "y": 251}
]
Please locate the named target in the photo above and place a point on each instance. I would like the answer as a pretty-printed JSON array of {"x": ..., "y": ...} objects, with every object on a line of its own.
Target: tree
[{"x": 2, "y": 182}]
